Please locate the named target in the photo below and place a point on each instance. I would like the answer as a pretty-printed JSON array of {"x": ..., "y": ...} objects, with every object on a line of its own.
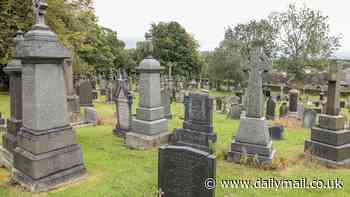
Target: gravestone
[
  {"x": 73, "y": 101},
  {"x": 330, "y": 140},
  {"x": 276, "y": 132},
  {"x": 252, "y": 139},
  {"x": 309, "y": 118},
  {"x": 90, "y": 115},
  {"x": 46, "y": 155},
  {"x": 109, "y": 96},
  {"x": 123, "y": 101},
  {"x": 235, "y": 111},
  {"x": 283, "y": 110},
  {"x": 218, "y": 103},
  {"x": 149, "y": 128},
  {"x": 293, "y": 103},
  {"x": 185, "y": 172},
  {"x": 103, "y": 87},
  {"x": 342, "y": 104},
  {"x": 300, "y": 112},
  {"x": 197, "y": 131},
  {"x": 14, "y": 123},
  {"x": 270, "y": 108},
  {"x": 85, "y": 94},
  {"x": 166, "y": 100}
]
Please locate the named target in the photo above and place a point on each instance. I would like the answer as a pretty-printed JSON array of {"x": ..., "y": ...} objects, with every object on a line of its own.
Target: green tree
[{"x": 304, "y": 39}]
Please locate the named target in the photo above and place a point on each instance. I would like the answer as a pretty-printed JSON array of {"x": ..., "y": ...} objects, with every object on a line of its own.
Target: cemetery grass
[{"x": 114, "y": 170}]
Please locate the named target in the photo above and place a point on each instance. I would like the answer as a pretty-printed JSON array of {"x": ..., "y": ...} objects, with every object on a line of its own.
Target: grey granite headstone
[
  {"x": 14, "y": 123},
  {"x": 90, "y": 114},
  {"x": 300, "y": 111},
  {"x": 330, "y": 140},
  {"x": 46, "y": 155},
  {"x": 235, "y": 111},
  {"x": 85, "y": 94},
  {"x": 149, "y": 128},
  {"x": 197, "y": 131},
  {"x": 252, "y": 138},
  {"x": 270, "y": 108},
  {"x": 123, "y": 100},
  {"x": 185, "y": 172},
  {"x": 309, "y": 118},
  {"x": 73, "y": 101}
]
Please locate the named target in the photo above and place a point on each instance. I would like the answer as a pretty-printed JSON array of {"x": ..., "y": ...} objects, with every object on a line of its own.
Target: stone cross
[
  {"x": 40, "y": 7},
  {"x": 333, "y": 99},
  {"x": 258, "y": 63}
]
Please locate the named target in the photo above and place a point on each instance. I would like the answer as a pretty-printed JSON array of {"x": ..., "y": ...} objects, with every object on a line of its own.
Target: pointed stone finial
[{"x": 148, "y": 46}]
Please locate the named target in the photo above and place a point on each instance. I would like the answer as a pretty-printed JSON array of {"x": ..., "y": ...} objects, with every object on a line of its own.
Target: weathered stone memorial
[
  {"x": 252, "y": 138},
  {"x": 72, "y": 99},
  {"x": 197, "y": 131},
  {"x": 330, "y": 141},
  {"x": 149, "y": 128},
  {"x": 276, "y": 132},
  {"x": 14, "y": 123},
  {"x": 270, "y": 108},
  {"x": 309, "y": 118},
  {"x": 293, "y": 103},
  {"x": 85, "y": 94},
  {"x": 166, "y": 100},
  {"x": 46, "y": 155},
  {"x": 123, "y": 101},
  {"x": 283, "y": 111},
  {"x": 185, "y": 172}
]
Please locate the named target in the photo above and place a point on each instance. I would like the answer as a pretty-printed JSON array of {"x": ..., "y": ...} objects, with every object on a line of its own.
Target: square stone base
[
  {"x": 332, "y": 154},
  {"x": 143, "y": 142},
  {"x": 331, "y": 122},
  {"x": 50, "y": 182},
  {"x": 6, "y": 159},
  {"x": 331, "y": 137},
  {"x": 240, "y": 150},
  {"x": 149, "y": 127}
]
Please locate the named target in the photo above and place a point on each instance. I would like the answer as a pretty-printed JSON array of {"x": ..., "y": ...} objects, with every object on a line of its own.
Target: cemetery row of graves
[{"x": 66, "y": 136}]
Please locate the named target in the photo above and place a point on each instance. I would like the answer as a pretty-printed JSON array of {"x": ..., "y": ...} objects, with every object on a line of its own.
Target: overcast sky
[{"x": 207, "y": 19}]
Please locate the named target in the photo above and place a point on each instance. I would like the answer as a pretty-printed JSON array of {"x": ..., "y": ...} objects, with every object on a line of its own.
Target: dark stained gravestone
[
  {"x": 218, "y": 104},
  {"x": 330, "y": 141},
  {"x": 46, "y": 155},
  {"x": 342, "y": 104},
  {"x": 252, "y": 139},
  {"x": 123, "y": 101},
  {"x": 309, "y": 118},
  {"x": 276, "y": 132},
  {"x": 185, "y": 171},
  {"x": 270, "y": 109},
  {"x": 197, "y": 131},
  {"x": 283, "y": 110},
  {"x": 166, "y": 101},
  {"x": 85, "y": 94}
]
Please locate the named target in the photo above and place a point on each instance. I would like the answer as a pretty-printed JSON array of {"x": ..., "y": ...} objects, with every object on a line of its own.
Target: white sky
[{"x": 207, "y": 19}]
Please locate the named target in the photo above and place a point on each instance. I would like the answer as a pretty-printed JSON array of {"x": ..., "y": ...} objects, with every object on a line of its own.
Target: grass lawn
[{"x": 115, "y": 171}]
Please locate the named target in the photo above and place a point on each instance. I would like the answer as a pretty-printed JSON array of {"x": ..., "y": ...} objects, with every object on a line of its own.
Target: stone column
[
  {"x": 9, "y": 139},
  {"x": 46, "y": 155},
  {"x": 149, "y": 128},
  {"x": 72, "y": 98},
  {"x": 293, "y": 103}
]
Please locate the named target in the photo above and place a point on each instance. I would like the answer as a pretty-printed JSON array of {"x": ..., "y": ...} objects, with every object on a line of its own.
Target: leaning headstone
[
  {"x": 149, "y": 128},
  {"x": 330, "y": 140},
  {"x": 46, "y": 155},
  {"x": 309, "y": 118},
  {"x": 197, "y": 131},
  {"x": 9, "y": 139},
  {"x": 90, "y": 115},
  {"x": 252, "y": 139},
  {"x": 185, "y": 172},
  {"x": 270, "y": 108},
  {"x": 123, "y": 101},
  {"x": 85, "y": 94},
  {"x": 276, "y": 132}
]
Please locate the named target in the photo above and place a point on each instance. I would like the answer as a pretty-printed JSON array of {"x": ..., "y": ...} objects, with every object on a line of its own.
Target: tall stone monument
[
  {"x": 253, "y": 137},
  {"x": 149, "y": 128},
  {"x": 72, "y": 99},
  {"x": 9, "y": 139},
  {"x": 330, "y": 140},
  {"x": 46, "y": 155},
  {"x": 123, "y": 100}
]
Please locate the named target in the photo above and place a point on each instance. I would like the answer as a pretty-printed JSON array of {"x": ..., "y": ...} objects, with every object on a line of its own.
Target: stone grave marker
[
  {"x": 270, "y": 108},
  {"x": 309, "y": 118},
  {"x": 85, "y": 94}
]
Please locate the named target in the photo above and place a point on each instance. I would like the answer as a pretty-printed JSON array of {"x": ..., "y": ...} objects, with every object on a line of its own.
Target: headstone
[
  {"x": 103, "y": 87},
  {"x": 185, "y": 172},
  {"x": 283, "y": 110},
  {"x": 123, "y": 101},
  {"x": 252, "y": 139},
  {"x": 90, "y": 114},
  {"x": 73, "y": 101},
  {"x": 309, "y": 118},
  {"x": 293, "y": 103},
  {"x": 46, "y": 155},
  {"x": 270, "y": 108},
  {"x": 149, "y": 128},
  {"x": 85, "y": 94},
  {"x": 109, "y": 96},
  {"x": 197, "y": 131},
  {"x": 330, "y": 140},
  {"x": 300, "y": 111},
  {"x": 235, "y": 111},
  {"x": 276, "y": 132},
  {"x": 9, "y": 139},
  {"x": 218, "y": 103},
  {"x": 342, "y": 104}
]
